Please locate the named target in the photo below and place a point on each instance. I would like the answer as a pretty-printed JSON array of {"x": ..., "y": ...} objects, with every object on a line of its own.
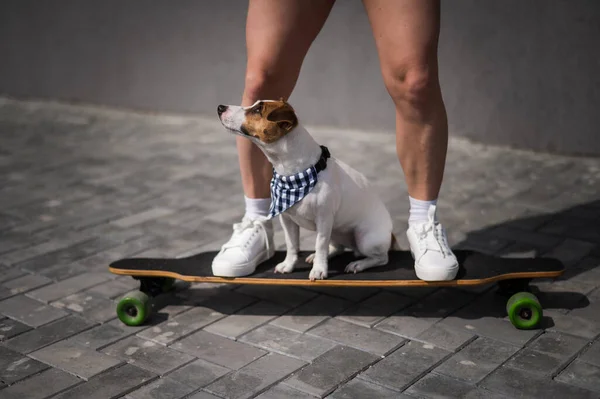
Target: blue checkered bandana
[{"x": 288, "y": 190}]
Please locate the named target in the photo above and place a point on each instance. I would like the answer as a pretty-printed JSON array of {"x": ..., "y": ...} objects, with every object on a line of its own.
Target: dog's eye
[{"x": 257, "y": 110}]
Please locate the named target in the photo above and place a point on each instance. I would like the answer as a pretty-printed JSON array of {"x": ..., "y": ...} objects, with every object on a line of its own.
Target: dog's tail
[{"x": 394, "y": 243}]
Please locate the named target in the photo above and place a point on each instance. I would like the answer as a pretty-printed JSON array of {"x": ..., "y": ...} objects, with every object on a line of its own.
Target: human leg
[
  {"x": 406, "y": 34},
  {"x": 278, "y": 36}
]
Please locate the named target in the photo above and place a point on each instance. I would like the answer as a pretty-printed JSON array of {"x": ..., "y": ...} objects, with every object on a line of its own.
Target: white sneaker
[
  {"x": 434, "y": 260},
  {"x": 250, "y": 244}
]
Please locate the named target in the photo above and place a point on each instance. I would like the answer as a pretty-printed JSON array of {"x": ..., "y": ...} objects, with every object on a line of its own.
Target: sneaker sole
[
  {"x": 226, "y": 270},
  {"x": 436, "y": 273}
]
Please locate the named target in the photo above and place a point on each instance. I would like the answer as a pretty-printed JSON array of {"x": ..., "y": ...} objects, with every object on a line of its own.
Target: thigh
[
  {"x": 406, "y": 33},
  {"x": 280, "y": 32}
]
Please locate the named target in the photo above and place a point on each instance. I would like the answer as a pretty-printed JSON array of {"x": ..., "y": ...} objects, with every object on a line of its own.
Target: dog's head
[{"x": 264, "y": 122}]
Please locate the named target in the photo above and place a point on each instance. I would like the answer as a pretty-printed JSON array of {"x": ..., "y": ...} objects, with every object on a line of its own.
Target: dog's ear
[{"x": 284, "y": 116}]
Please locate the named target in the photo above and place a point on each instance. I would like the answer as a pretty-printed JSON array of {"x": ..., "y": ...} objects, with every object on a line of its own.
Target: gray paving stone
[
  {"x": 255, "y": 377},
  {"x": 246, "y": 319},
  {"x": 592, "y": 354},
  {"x": 10, "y": 328},
  {"x": 435, "y": 385},
  {"x": 15, "y": 367},
  {"x": 308, "y": 315},
  {"x": 480, "y": 393},
  {"x": 558, "y": 345},
  {"x": 536, "y": 362},
  {"x": 105, "y": 334},
  {"x": 406, "y": 326},
  {"x": 477, "y": 360},
  {"x": 65, "y": 255},
  {"x": 53, "y": 381},
  {"x": 114, "y": 288},
  {"x": 219, "y": 299},
  {"x": 572, "y": 325},
  {"x": 67, "y": 287},
  {"x": 48, "y": 334},
  {"x": 536, "y": 240},
  {"x": 282, "y": 391},
  {"x": 330, "y": 370},
  {"x": 586, "y": 271},
  {"x": 26, "y": 283},
  {"x": 352, "y": 294},
  {"x": 404, "y": 366},
  {"x": 198, "y": 374},
  {"x": 417, "y": 318},
  {"x": 148, "y": 355},
  {"x": 363, "y": 338},
  {"x": 75, "y": 359},
  {"x": 100, "y": 260},
  {"x": 202, "y": 395},
  {"x": 357, "y": 388},
  {"x": 148, "y": 215},
  {"x": 516, "y": 383},
  {"x": 89, "y": 305},
  {"x": 5, "y": 293},
  {"x": 570, "y": 251},
  {"x": 29, "y": 311},
  {"x": 111, "y": 384},
  {"x": 445, "y": 337},
  {"x": 10, "y": 274},
  {"x": 288, "y": 296},
  {"x": 164, "y": 388},
  {"x": 581, "y": 374},
  {"x": 590, "y": 312},
  {"x": 218, "y": 350},
  {"x": 374, "y": 309},
  {"x": 287, "y": 342},
  {"x": 181, "y": 325},
  {"x": 563, "y": 295}
]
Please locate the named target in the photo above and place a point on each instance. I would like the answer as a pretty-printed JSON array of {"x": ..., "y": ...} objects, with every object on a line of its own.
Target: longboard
[{"x": 513, "y": 274}]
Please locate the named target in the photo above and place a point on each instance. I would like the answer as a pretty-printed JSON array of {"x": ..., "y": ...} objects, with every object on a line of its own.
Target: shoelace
[
  {"x": 438, "y": 235},
  {"x": 237, "y": 241}
]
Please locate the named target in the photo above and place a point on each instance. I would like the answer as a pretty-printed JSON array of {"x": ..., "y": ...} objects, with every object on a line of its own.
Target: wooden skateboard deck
[
  {"x": 475, "y": 269},
  {"x": 157, "y": 275}
]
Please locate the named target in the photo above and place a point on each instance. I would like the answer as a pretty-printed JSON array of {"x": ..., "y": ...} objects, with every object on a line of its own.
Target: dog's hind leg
[{"x": 374, "y": 246}]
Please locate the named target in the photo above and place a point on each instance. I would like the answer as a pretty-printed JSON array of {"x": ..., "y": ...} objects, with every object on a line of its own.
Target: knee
[
  {"x": 255, "y": 82},
  {"x": 413, "y": 87},
  {"x": 260, "y": 84}
]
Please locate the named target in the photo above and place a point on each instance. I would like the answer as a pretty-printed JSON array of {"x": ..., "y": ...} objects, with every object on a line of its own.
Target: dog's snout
[{"x": 221, "y": 108}]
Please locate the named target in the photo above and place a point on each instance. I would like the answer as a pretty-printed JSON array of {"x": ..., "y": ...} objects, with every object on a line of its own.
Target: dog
[{"x": 341, "y": 207}]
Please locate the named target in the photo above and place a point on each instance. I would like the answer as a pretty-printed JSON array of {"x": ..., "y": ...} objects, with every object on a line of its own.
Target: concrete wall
[{"x": 519, "y": 73}]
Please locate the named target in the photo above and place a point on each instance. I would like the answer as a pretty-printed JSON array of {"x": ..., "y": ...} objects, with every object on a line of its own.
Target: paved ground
[{"x": 80, "y": 187}]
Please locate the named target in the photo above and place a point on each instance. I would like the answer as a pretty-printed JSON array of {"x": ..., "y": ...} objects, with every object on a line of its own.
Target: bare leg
[
  {"x": 278, "y": 36},
  {"x": 406, "y": 33}
]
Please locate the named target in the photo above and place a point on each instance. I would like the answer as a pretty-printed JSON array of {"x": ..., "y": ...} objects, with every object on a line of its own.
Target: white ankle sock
[
  {"x": 257, "y": 206},
  {"x": 419, "y": 209}
]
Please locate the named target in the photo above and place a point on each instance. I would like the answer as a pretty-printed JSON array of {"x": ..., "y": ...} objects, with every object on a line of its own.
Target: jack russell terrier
[{"x": 312, "y": 190}]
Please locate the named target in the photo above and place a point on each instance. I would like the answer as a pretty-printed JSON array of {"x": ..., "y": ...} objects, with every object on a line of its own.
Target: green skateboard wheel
[
  {"x": 134, "y": 308},
  {"x": 524, "y": 310}
]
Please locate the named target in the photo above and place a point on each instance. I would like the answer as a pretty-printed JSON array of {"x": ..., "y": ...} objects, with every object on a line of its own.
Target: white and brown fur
[{"x": 342, "y": 208}]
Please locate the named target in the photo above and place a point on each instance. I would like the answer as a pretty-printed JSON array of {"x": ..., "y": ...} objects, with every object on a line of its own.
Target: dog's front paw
[
  {"x": 318, "y": 272},
  {"x": 287, "y": 266}
]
